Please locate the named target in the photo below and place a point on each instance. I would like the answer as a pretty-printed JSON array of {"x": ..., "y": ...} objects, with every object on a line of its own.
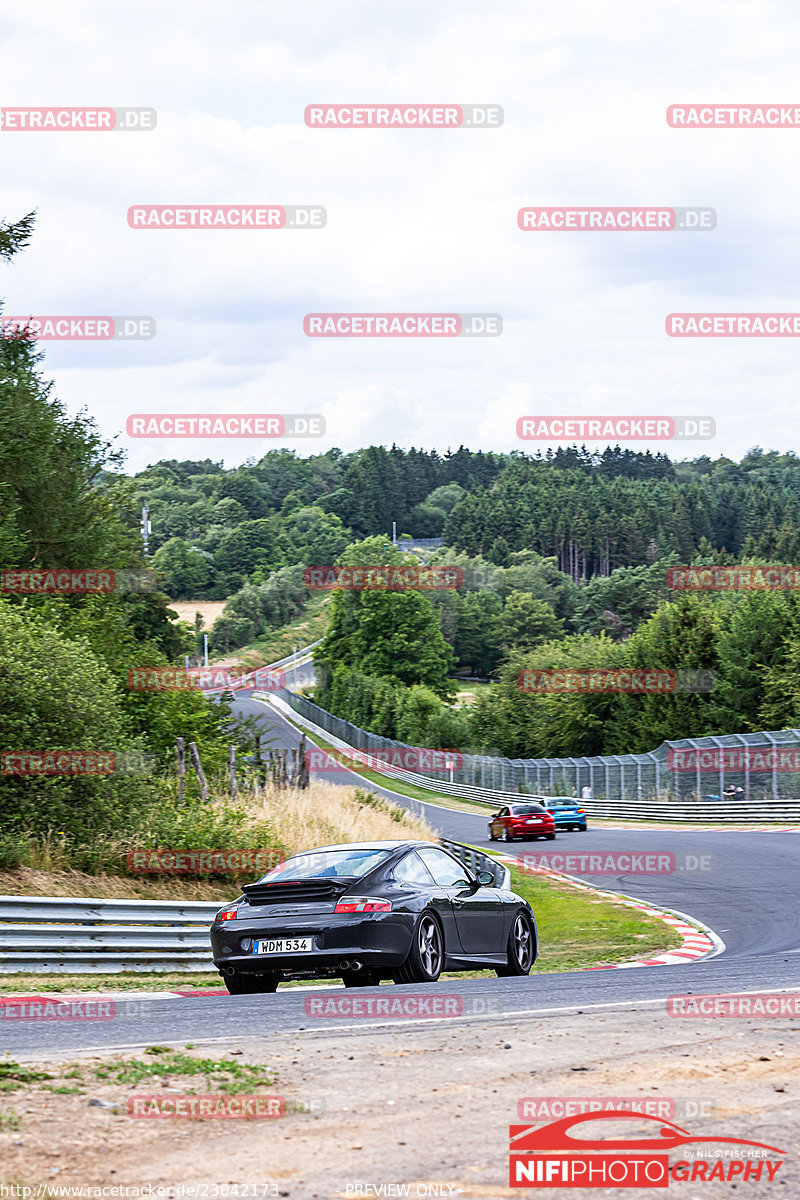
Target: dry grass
[
  {"x": 327, "y": 813},
  {"x": 29, "y": 881},
  {"x": 298, "y": 820},
  {"x": 209, "y": 610}
]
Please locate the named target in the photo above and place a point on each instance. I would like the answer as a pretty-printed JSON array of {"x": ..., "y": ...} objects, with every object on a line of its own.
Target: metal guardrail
[
  {"x": 642, "y": 778},
  {"x": 477, "y": 861},
  {"x": 291, "y": 660},
  {"x": 739, "y": 811},
  {"x": 303, "y": 652},
  {"x": 85, "y": 935},
  {"x": 88, "y": 936}
]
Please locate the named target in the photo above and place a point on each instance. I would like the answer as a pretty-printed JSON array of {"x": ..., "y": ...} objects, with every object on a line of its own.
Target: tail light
[
  {"x": 227, "y": 914},
  {"x": 581, "y": 812},
  {"x": 352, "y": 904}
]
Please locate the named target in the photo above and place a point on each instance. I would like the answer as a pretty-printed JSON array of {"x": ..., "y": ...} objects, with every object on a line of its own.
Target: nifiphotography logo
[{"x": 554, "y": 1156}]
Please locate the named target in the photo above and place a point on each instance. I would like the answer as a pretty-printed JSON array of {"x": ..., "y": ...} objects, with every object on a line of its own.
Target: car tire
[
  {"x": 507, "y": 835},
  {"x": 520, "y": 948},
  {"x": 550, "y": 837},
  {"x": 361, "y": 979},
  {"x": 426, "y": 957},
  {"x": 492, "y": 838},
  {"x": 240, "y": 984}
]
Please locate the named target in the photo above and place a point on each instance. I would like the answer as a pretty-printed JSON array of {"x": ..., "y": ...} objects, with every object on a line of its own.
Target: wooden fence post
[
  {"x": 181, "y": 759},
  {"x": 302, "y": 778},
  {"x": 232, "y": 764},
  {"x": 198, "y": 769}
]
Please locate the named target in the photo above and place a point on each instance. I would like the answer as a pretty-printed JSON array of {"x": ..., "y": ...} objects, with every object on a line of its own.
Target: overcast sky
[{"x": 418, "y": 220}]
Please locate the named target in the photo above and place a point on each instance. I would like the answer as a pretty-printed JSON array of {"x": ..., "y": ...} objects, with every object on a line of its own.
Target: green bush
[{"x": 56, "y": 694}]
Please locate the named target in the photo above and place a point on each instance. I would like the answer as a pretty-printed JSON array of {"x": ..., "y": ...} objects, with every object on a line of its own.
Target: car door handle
[{"x": 458, "y": 903}]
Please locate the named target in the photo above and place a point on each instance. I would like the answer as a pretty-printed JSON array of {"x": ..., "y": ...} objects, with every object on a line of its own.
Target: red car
[{"x": 522, "y": 821}]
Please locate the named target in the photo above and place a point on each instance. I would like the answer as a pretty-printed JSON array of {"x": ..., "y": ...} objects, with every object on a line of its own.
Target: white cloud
[{"x": 417, "y": 221}]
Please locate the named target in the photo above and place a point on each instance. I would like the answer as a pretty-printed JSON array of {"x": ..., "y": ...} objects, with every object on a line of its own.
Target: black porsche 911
[{"x": 367, "y": 911}]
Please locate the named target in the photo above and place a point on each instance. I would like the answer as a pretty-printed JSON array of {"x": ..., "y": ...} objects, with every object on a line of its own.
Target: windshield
[
  {"x": 525, "y": 810},
  {"x": 326, "y": 864}
]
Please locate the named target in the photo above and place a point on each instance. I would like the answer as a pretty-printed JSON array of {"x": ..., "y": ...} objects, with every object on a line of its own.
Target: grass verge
[
  {"x": 577, "y": 931},
  {"x": 302, "y": 631}
]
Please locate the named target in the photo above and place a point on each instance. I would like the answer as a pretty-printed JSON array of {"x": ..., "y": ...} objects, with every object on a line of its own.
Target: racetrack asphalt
[{"x": 744, "y": 885}]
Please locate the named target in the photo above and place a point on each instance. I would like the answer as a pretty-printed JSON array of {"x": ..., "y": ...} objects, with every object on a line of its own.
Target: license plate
[
  {"x": 534, "y": 820},
  {"x": 296, "y": 945}
]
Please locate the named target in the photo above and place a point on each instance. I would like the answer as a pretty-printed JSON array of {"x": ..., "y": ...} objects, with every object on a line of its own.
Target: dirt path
[{"x": 427, "y": 1105}]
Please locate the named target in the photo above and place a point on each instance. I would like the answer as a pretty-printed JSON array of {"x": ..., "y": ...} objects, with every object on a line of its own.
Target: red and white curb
[
  {"x": 130, "y": 995},
  {"x": 698, "y": 941}
]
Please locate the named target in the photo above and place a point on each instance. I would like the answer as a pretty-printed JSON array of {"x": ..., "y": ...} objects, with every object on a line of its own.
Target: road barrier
[
  {"x": 477, "y": 861},
  {"x": 297, "y": 659},
  {"x": 84, "y": 935},
  {"x": 640, "y": 807},
  {"x": 88, "y": 936}
]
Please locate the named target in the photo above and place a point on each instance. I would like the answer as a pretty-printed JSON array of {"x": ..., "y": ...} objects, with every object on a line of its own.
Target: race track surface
[{"x": 745, "y": 886}]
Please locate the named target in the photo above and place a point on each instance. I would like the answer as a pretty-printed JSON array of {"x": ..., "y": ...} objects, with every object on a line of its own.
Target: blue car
[{"x": 567, "y": 812}]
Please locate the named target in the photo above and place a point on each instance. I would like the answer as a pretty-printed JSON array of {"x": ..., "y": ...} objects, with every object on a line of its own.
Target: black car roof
[{"x": 376, "y": 845}]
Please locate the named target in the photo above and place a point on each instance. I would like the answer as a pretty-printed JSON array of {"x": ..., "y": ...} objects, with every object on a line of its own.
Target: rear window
[
  {"x": 527, "y": 810},
  {"x": 328, "y": 864},
  {"x": 562, "y": 803}
]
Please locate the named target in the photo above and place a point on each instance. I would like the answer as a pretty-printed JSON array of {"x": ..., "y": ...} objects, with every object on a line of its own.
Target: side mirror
[{"x": 486, "y": 878}]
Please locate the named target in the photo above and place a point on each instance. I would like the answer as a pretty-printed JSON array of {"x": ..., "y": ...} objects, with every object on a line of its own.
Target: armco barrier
[
  {"x": 297, "y": 659},
  {"x": 737, "y": 811},
  {"x": 477, "y": 861},
  {"x": 65, "y": 935},
  {"x": 87, "y": 936}
]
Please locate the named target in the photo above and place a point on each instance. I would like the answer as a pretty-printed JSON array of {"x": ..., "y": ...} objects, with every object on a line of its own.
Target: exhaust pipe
[
  {"x": 229, "y": 971},
  {"x": 344, "y": 965},
  {"x": 355, "y": 965}
]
